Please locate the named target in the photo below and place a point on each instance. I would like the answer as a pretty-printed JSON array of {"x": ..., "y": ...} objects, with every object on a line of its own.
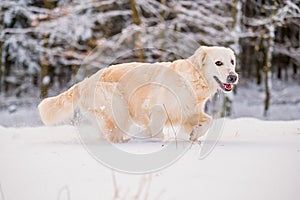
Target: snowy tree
[
  {"x": 277, "y": 15},
  {"x": 53, "y": 42},
  {"x": 20, "y": 64},
  {"x": 47, "y": 45}
]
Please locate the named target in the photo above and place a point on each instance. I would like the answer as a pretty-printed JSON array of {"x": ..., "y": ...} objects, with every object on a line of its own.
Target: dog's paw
[
  {"x": 117, "y": 138},
  {"x": 197, "y": 132},
  {"x": 178, "y": 135}
]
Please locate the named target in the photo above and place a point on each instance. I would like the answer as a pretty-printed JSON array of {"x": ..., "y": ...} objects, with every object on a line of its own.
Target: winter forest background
[{"x": 48, "y": 45}]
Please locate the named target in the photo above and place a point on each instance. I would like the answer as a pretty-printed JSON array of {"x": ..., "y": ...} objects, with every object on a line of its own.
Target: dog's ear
[{"x": 198, "y": 59}]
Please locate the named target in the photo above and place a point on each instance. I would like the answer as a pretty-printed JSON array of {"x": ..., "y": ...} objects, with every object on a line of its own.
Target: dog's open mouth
[{"x": 225, "y": 86}]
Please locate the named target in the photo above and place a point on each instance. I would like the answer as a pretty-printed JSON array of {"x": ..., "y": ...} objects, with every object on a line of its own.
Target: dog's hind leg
[
  {"x": 158, "y": 117},
  {"x": 110, "y": 130}
]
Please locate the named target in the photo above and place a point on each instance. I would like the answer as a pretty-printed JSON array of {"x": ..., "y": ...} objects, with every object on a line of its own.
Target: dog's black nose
[{"x": 231, "y": 78}]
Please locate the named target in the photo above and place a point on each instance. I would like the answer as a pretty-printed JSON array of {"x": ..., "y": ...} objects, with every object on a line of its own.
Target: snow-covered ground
[{"x": 253, "y": 160}]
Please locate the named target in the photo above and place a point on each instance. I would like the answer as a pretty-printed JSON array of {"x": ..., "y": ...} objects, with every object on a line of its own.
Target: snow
[
  {"x": 102, "y": 108},
  {"x": 284, "y": 103},
  {"x": 254, "y": 159},
  {"x": 46, "y": 80},
  {"x": 12, "y": 108}
]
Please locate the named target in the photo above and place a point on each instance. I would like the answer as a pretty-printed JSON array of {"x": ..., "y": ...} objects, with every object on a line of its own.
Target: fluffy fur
[{"x": 147, "y": 95}]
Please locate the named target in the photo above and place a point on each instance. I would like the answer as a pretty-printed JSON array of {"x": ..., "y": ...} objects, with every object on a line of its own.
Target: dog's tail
[{"x": 57, "y": 109}]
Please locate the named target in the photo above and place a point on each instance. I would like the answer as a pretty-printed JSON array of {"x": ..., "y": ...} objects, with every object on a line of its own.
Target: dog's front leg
[{"x": 201, "y": 128}]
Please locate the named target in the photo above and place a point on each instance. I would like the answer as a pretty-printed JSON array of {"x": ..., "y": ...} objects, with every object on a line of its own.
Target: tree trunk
[
  {"x": 268, "y": 61},
  {"x": 1, "y": 47},
  {"x": 259, "y": 61},
  {"x": 137, "y": 37},
  {"x": 1, "y": 43},
  {"x": 267, "y": 69},
  {"x": 236, "y": 15},
  {"x": 6, "y": 73},
  {"x": 135, "y": 14},
  {"x": 49, "y": 4},
  {"x": 45, "y": 78},
  {"x": 295, "y": 71},
  {"x": 163, "y": 13}
]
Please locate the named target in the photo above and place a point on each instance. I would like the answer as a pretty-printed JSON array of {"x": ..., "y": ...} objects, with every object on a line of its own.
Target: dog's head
[{"x": 218, "y": 65}]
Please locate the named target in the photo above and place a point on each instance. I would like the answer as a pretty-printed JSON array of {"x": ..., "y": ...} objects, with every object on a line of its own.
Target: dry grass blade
[
  {"x": 173, "y": 129},
  {"x": 1, "y": 193},
  {"x": 142, "y": 192},
  {"x": 116, "y": 194},
  {"x": 147, "y": 187},
  {"x": 140, "y": 189},
  {"x": 64, "y": 191},
  {"x": 144, "y": 187}
]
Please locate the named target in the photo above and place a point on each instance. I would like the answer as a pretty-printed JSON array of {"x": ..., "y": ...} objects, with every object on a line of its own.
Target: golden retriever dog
[{"x": 148, "y": 96}]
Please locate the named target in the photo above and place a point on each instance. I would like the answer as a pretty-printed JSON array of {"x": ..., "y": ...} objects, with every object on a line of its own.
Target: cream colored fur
[{"x": 147, "y": 95}]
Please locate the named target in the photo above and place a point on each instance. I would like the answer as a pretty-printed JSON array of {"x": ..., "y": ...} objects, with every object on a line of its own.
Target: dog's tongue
[{"x": 227, "y": 86}]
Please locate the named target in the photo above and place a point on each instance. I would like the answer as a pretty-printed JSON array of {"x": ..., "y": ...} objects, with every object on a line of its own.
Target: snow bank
[{"x": 253, "y": 160}]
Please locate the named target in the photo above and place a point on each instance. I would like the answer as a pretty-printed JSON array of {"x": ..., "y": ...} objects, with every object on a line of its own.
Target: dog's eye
[
  {"x": 219, "y": 63},
  {"x": 232, "y": 62}
]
